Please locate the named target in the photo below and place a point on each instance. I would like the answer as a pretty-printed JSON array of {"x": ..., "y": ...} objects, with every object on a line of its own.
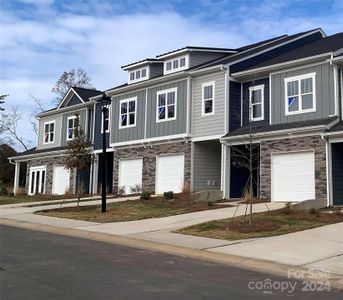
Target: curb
[{"x": 250, "y": 264}]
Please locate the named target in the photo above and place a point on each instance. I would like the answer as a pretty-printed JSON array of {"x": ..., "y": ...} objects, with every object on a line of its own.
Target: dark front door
[{"x": 337, "y": 173}]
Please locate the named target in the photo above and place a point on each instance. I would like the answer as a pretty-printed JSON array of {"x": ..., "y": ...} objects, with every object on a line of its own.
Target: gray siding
[
  {"x": 172, "y": 127},
  {"x": 206, "y": 165},
  {"x": 132, "y": 133},
  {"x": 212, "y": 124},
  {"x": 58, "y": 123},
  {"x": 82, "y": 116},
  {"x": 74, "y": 100},
  {"x": 197, "y": 58},
  {"x": 325, "y": 102}
]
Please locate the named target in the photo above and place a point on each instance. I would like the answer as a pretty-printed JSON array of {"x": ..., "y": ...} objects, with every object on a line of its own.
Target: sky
[{"x": 40, "y": 39}]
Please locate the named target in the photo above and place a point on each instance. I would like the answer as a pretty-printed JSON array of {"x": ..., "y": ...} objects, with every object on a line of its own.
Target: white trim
[
  {"x": 54, "y": 132},
  {"x": 145, "y": 112},
  {"x": 145, "y": 62},
  {"x": 329, "y": 186},
  {"x": 176, "y": 69},
  {"x": 242, "y": 115},
  {"x": 203, "y": 85},
  {"x": 135, "y": 71},
  {"x": 207, "y": 138},
  {"x": 127, "y": 113},
  {"x": 227, "y": 102},
  {"x": 40, "y": 169},
  {"x": 158, "y": 93},
  {"x": 335, "y": 80},
  {"x": 67, "y": 127},
  {"x": 94, "y": 112},
  {"x": 100, "y": 150},
  {"x": 142, "y": 142},
  {"x": 302, "y": 67},
  {"x": 299, "y": 95},
  {"x": 270, "y": 99},
  {"x": 65, "y": 97},
  {"x": 191, "y": 49},
  {"x": 251, "y": 112},
  {"x": 189, "y": 96}
]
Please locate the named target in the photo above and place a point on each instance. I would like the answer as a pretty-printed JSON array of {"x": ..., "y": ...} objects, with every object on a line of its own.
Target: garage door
[
  {"x": 130, "y": 173},
  {"x": 60, "y": 180},
  {"x": 293, "y": 176},
  {"x": 169, "y": 173}
]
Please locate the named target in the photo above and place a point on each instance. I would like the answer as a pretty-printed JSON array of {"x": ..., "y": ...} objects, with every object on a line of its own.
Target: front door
[{"x": 37, "y": 180}]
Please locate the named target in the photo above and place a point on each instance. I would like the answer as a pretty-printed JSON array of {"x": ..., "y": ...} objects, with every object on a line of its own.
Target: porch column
[
  {"x": 95, "y": 174},
  {"x": 16, "y": 177},
  {"x": 226, "y": 171}
]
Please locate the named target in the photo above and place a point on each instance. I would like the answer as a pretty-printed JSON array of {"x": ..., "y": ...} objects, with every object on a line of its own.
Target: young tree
[
  {"x": 77, "y": 78},
  {"x": 79, "y": 155}
]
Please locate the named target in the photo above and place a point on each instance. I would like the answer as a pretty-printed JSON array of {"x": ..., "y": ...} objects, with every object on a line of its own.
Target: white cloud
[{"x": 35, "y": 52}]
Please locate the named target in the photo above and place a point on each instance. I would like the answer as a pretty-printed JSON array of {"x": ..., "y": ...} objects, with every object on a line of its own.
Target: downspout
[
  {"x": 328, "y": 170},
  {"x": 335, "y": 88}
]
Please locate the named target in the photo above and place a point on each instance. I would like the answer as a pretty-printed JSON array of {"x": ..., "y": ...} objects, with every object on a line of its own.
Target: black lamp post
[{"x": 104, "y": 102}]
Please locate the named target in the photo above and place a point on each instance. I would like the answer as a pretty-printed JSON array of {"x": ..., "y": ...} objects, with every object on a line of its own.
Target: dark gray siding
[
  {"x": 156, "y": 70},
  {"x": 97, "y": 129},
  {"x": 248, "y": 63},
  {"x": 198, "y": 58},
  {"x": 82, "y": 117},
  {"x": 206, "y": 165},
  {"x": 235, "y": 105},
  {"x": 172, "y": 127},
  {"x": 337, "y": 173},
  {"x": 74, "y": 100},
  {"x": 246, "y": 86},
  {"x": 132, "y": 133},
  {"x": 325, "y": 102}
]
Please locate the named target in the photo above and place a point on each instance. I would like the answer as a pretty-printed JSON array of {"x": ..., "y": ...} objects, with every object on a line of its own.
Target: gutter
[{"x": 64, "y": 109}]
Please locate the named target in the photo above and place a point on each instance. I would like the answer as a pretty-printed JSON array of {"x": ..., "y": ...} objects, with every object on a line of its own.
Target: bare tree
[
  {"x": 39, "y": 107},
  {"x": 2, "y": 101},
  {"x": 79, "y": 155},
  {"x": 9, "y": 124},
  {"x": 77, "y": 78}
]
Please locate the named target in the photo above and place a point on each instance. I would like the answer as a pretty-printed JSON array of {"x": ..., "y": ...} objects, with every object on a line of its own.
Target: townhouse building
[{"x": 174, "y": 124}]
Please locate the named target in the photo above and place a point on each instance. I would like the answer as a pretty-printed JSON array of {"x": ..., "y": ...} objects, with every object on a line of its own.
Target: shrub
[
  {"x": 3, "y": 190},
  {"x": 288, "y": 208},
  {"x": 210, "y": 203},
  {"x": 314, "y": 211},
  {"x": 121, "y": 190},
  {"x": 145, "y": 195},
  {"x": 136, "y": 189},
  {"x": 168, "y": 195}
]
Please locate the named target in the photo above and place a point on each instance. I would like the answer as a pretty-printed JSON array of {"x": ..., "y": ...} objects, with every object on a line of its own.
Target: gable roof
[
  {"x": 82, "y": 93},
  {"x": 324, "y": 45}
]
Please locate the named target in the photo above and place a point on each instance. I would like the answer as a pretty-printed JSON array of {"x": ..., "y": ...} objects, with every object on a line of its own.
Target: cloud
[{"x": 37, "y": 45}]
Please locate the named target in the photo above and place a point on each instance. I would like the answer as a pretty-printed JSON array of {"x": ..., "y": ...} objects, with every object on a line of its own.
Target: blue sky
[{"x": 42, "y": 38}]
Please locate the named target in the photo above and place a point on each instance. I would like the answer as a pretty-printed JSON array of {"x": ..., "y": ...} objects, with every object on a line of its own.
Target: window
[
  {"x": 71, "y": 126},
  {"x": 138, "y": 75},
  {"x": 107, "y": 120},
  {"x": 49, "y": 132},
  {"x": 300, "y": 94},
  {"x": 127, "y": 113},
  {"x": 166, "y": 105},
  {"x": 176, "y": 64},
  {"x": 256, "y": 103},
  {"x": 208, "y": 98}
]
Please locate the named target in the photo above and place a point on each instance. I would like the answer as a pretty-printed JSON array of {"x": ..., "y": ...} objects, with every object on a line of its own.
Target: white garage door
[
  {"x": 60, "y": 180},
  {"x": 130, "y": 173},
  {"x": 169, "y": 173},
  {"x": 293, "y": 176}
]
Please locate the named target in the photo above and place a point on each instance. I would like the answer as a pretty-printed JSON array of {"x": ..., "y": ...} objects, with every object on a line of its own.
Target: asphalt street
[{"x": 37, "y": 265}]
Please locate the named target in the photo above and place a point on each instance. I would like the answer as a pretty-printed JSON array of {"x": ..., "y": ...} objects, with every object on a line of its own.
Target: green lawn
[
  {"x": 130, "y": 210},
  {"x": 264, "y": 224}
]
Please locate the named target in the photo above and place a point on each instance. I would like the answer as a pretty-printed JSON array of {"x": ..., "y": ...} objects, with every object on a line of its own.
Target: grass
[
  {"x": 265, "y": 224},
  {"x": 131, "y": 210}
]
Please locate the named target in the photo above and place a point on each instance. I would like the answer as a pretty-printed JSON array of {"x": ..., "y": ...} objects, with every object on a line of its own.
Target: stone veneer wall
[
  {"x": 49, "y": 162},
  {"x": 314, "y": 143},
  {"x": 149, "y": 162}
]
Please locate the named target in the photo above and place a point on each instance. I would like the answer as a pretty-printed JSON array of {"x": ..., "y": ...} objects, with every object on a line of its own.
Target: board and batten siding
[
  {"x": 325, "y": 102},
  {"x": 211, "y": 124},
  {"x": 132, "y": 133},
  {"x": 82, "y": 118},
  {"x": 172, "y": 127},
  {"x": 206, "y": 165},
  {"x": 57, "y": 140}
]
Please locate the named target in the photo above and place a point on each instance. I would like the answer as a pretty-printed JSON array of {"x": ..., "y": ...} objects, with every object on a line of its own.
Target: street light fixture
[{"x": 105, "y": 101}]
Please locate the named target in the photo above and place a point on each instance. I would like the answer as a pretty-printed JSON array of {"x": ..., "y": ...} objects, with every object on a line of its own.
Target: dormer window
[
  {"x": 176, "y": 64},
  {"x": 139, "y": 75}
]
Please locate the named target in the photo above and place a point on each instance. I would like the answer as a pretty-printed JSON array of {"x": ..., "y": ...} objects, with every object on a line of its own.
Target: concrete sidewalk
[{"x": 319, "y": 248}]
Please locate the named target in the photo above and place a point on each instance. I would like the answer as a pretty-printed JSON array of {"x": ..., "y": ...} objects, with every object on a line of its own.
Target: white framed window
[
  {"x": 208, "y": 90},
  {"x": 300, "y": 94},
  {"x": 127, "y": 112},
  {"x": 176, "y": 64},
  {"x": 139, "y": 75},
  {"x": 106, "y": 119},
  {"x": 256, "y": 102},
  {"x": 71, "y": 126},
  {"x": 49, "y": 132},
  {"x": 166, "y": 105}
]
